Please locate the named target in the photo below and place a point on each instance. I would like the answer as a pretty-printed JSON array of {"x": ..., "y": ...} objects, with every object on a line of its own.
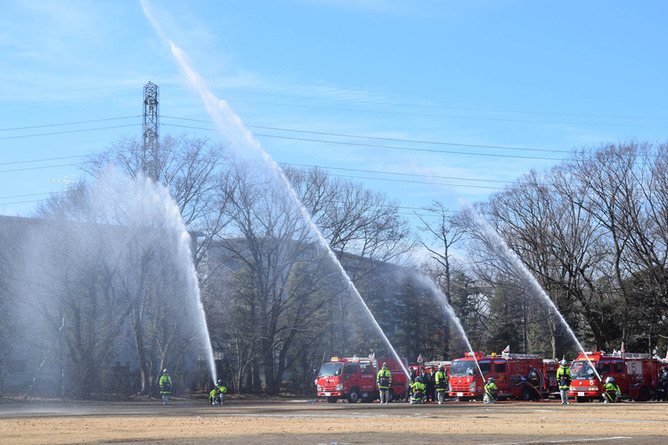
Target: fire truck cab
[
  {"x": 354, "y": 379},
  {"x": 516, "y": 376},
  {"x": 637, "y": 375}
]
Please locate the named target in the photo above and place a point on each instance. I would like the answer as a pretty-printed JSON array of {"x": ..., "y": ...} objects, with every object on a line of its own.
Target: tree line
[{"x": 589, "y": 235}]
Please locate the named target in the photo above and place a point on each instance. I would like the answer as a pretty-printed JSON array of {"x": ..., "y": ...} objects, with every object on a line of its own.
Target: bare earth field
[{"x": 193, "y": 422}]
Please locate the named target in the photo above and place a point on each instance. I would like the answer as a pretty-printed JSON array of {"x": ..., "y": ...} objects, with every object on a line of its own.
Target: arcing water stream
[
  {"x": 241, "y": 140},
  {"x": 449, "y": 312},
  {"x": 499, "y": 247}
]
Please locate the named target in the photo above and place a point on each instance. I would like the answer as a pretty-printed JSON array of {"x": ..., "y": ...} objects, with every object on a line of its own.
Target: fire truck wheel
[
  {"x": 331, "y": 399},
  {"x": 526, "y": 393},
  {"x": 354, "y": 395},
  {"x": 644, "y": 395}
]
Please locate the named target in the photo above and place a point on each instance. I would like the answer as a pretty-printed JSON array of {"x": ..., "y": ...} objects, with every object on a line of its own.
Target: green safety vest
[
  {"x": 384, "y": 379},
  {"x": 441, "y": 381},
  {"x": 564, "y": 377}
]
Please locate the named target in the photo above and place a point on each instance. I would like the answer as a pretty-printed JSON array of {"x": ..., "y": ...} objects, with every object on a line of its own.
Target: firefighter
[
  {"x": 384, "y": 380},
  {"x": 441, "y": 379},
  {"x": 534, "y": 383},
  {"x": 491, "y": 392},
  {"x": 564, "y": 380},
  {"x": 661, "y": 391},
  {"x": 612, "y": 391},
  {"x": 220, "y": 391},
  {"x": 418, "y": 390},
  {"x": 428, "y": 380},
  {"x": 533, "y": 379},
  {"x": 165, "y": 383}
]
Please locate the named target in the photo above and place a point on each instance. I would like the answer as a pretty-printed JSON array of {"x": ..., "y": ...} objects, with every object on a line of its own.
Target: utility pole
[{"x": 150, "y": 148}]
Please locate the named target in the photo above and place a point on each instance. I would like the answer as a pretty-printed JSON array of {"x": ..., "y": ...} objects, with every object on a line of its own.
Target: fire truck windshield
[
  {"x": 582, "y": 370},
  {"x": 331, "y": 370},
  {"x": 465, "y": 368}
]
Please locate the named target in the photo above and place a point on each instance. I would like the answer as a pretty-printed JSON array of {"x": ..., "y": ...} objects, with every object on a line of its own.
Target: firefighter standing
[
  {"x": 428, "y": 380},
  {"x": 491, "y": 392},
  {"x": 661, "y": 392},
  {"x": 564, "y": 380},
  {"x": 418, "y": 390},
  {"x": 384, "y": 380},
  {"x": 612, "y": 391},
  {"x": 165, "y": 383},
  {"x": 441, "y": 379}
]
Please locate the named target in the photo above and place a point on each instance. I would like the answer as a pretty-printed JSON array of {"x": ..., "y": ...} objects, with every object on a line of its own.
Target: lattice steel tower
[{"x": 150, "y": 153}]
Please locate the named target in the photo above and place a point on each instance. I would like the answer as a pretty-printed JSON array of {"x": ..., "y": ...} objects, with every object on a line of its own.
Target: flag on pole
[
  {"x": 623, "y": 350},
  {"x": 420, "y": 359},
  {"x": 506, "y": 351}
]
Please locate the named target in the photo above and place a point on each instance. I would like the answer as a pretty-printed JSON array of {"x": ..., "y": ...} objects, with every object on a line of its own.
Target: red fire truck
[
  {"x": 637, "y": 375},
  {"x": 516, "y": 376},
  {"x": 354, "y": 379}
]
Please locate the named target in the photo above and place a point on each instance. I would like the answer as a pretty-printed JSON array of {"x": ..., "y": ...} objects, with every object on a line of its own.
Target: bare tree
[
  {"x": 189, "y": 167},
  {"x": 278, "y": 259},
  {"x": 363, "y": 228},
  {"x": 613, "y": 192},
  {"x": 443, "y": 234}
]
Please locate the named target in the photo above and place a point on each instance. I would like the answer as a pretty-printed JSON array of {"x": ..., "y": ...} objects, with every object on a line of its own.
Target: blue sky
[{"x": 421, "y": 100}]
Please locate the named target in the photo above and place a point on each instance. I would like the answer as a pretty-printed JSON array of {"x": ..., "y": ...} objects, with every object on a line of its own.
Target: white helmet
[
  {"x": 564, "y": 362},
  {"x": 610, "y": 380},
  {"x": 490, "y": 380},
  {"x": 164, "y": 371}
]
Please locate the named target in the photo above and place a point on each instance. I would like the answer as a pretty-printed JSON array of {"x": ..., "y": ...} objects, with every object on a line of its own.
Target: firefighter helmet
[
  {"x": 384, "y": 365},
  {"x": 164, "y": 371},
  {"x": 564, "y": 362},
  {"x": 418, "y": 379},
  {"x": 490, "y": 380},
  {"x": 610, "y": 380}
]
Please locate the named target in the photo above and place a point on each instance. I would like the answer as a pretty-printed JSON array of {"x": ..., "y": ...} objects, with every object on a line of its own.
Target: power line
[
  {"x": 41, "y": 160},
  {"x": 398, "y": 173},
  {"x": 377, "y": 138},
  {"x": 459, "y": 116},
  {"x": 442, "y": 107},
  {"x": 62, "y": 124},
  {"x": 388, "y": 147},
  {"x": 41, "y": 167},
  {"x": 68, "y": 131},
  {"x": 25, "y": 196},
  {"x": 408, "y": 181}
]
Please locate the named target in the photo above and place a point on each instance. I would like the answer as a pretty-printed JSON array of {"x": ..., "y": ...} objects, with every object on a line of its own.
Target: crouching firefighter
[
  {"x": 491, "y": 392},
  {"x": 612, "y": 391},
  {"x": 217, "y": 394},
  {"x": 418, "y": 390}
]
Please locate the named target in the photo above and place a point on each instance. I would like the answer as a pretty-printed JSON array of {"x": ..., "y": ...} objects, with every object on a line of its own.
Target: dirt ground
[{"x": 194, "y": 422}]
